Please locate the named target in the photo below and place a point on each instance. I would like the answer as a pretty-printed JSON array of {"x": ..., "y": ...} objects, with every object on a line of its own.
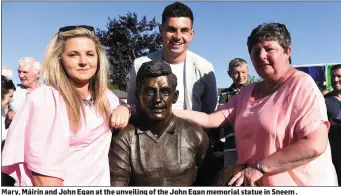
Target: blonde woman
[{"x": 61, "y": 136}]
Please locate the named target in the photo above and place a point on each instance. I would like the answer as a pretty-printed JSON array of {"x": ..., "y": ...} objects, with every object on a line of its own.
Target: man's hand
[{"x": 120, "y": 117}]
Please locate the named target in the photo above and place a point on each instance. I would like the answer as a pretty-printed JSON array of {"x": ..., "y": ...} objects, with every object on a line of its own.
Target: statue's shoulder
[
  {"x": 189, "y": 127},
  {"x": 125, "y": 133},
  {"x": 129, "y": 128},
  {"x": 185, "y": 122}
]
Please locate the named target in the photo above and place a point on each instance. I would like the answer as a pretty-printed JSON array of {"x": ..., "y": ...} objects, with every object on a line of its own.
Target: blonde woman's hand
[{"x": 119, "y": 117}]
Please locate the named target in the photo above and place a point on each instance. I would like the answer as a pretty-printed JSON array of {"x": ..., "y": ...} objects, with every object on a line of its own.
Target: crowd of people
[{"x": 72, "y": 130}]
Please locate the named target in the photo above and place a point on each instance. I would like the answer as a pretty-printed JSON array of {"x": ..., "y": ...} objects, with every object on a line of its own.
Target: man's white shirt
[{"x": 179, "y": 71}]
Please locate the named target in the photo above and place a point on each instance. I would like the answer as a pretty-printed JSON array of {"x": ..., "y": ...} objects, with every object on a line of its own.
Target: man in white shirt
[
  {"x": 196, "y": 78},
  {"x": 29, "y": 75}
]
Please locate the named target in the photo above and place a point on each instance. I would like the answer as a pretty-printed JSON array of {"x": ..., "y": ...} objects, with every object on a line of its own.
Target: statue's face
[{"x": 156, "y": 97}]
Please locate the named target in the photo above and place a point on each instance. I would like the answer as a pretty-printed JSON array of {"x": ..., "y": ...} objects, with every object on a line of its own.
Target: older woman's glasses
[{"x": 68, "y": 28}]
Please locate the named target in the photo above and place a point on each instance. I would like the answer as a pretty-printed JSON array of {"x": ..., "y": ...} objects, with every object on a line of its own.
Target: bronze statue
[{"x": 159, "y": 149}]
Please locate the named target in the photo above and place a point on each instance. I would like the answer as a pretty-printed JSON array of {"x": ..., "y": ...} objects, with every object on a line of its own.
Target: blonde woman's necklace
[{"x": 88, "y": 101}]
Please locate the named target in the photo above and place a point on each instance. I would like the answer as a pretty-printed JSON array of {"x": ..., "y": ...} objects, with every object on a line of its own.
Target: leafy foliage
[
  {"x": 126, "y": 39},
  {"x": 254, "y": 79}
]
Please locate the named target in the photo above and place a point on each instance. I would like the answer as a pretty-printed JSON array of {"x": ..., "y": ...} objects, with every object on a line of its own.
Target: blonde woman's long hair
[{"x": 55, "y": 76}]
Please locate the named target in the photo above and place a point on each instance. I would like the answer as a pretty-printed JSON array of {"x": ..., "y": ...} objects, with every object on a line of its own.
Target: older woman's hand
[
  {"x": 237, "y": 179},
  {"x": 249, "y": 176}
]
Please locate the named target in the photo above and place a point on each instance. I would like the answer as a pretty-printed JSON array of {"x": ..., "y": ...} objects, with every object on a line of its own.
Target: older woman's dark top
[{"x": 139, "y": 158}]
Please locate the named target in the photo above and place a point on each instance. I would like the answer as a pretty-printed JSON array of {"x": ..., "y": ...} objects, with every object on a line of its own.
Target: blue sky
[{"x": 221, "y": 28}]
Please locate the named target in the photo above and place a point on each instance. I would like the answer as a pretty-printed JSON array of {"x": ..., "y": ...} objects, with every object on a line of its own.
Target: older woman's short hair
[
  {"x": 29, "y": 62},
  {"x": 270, "y": 32}
]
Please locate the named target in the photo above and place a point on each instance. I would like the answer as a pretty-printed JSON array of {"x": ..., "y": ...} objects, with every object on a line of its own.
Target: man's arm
[
  {"x": 119, "y": 152},
  {"x": 210, "y": 98}
]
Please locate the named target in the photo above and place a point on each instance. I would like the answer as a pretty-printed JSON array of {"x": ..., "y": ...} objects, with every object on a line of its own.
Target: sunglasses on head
[{"x": 68, "y": 28}]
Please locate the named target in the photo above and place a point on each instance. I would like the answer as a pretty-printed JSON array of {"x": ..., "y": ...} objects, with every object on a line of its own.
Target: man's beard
[
  {"x": 338, "y": 91},
  {"x": 337, "y": 88}
]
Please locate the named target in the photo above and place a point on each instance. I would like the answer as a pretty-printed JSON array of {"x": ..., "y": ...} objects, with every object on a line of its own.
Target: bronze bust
[{"x": 157, "y": 148}]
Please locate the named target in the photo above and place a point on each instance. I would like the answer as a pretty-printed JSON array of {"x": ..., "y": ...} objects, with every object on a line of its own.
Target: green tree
[
  {"x": 126, "y": 39},
  {"x": 254, "y": 79}
]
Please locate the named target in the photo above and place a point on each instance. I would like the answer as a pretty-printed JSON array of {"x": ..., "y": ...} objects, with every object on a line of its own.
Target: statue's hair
[{"x": 154, "y": 69}]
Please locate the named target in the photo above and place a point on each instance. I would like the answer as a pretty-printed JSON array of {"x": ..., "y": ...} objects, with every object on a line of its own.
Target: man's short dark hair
[
  {"x": 154, "y": 69},
  {"x": 236, "y": 62},
  {"x": 177, "y": 9},
  {"x": 335, "y": 67}
]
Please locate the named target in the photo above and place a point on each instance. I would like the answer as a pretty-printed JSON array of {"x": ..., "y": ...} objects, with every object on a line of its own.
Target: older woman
[
  {"x": 280, "y": 124},
  {"x": 61, "y": 135}
]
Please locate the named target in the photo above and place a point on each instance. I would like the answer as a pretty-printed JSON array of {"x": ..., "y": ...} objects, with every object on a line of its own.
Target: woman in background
[{"x": 7, "y": 90}]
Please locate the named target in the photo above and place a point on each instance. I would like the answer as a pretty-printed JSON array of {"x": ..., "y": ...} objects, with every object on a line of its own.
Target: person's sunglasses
[{"x": 68, "y": 28}]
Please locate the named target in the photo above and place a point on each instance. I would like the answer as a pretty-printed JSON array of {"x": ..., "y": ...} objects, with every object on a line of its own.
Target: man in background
[
  {"x": 333, "y": 103},
  {"x": 29, "y": 75},
  {"x": 238, "y": 71}
]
